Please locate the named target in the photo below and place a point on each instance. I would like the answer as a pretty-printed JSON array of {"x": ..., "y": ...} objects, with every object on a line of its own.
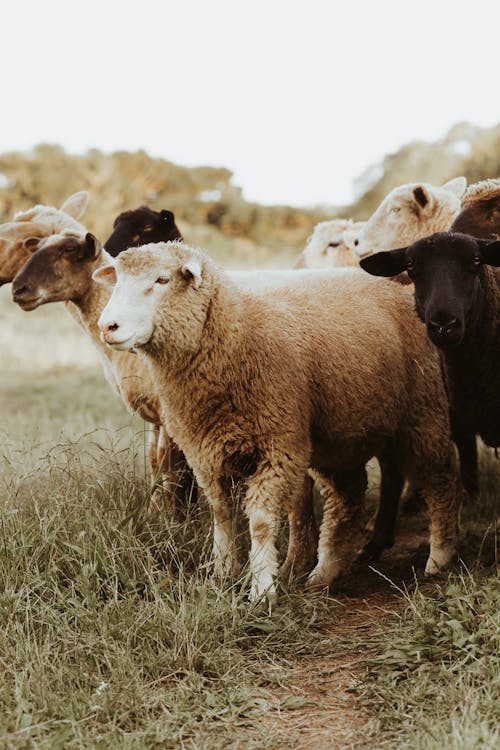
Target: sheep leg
[
  {"x": 156, "y": 458},
  {"x": 224, "y": 557},
  {"x": 303, "y": 534},
  {"x": 385, "y": 520},
  {"x": 339, "y": 536},
  {"x": 440, "y": 491},
  {"x": 267, "y": 489},
  {"x": 467, "y": 451},
  {"x": 184, "y": 482}
]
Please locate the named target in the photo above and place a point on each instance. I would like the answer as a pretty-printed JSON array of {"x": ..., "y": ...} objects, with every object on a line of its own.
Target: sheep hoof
[
  {"x": 438, "y": 560},
  {"x": 373, "y": 549},
  {"x": 319, "y": 579}
]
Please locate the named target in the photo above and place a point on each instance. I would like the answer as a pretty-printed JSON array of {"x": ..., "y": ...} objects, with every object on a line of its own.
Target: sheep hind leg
[
  {"x": 440, "y": 491},
  {"x": 156, "y": 499},
  {"x": 303, "y": 535},
  {"x": 185, "y": 488},
  {"x": 382, "y": 536},
  {"x": 339, "y": 537},
  {"x": 268, "y": 489}
]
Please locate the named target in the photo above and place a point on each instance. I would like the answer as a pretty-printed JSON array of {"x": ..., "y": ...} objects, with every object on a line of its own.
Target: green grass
[
  {"x": 437, "y": 679},
  {"x": 435, "y": 676},
  {"x": 112, "y": 632},
  {"x": 114, "y": 635}
]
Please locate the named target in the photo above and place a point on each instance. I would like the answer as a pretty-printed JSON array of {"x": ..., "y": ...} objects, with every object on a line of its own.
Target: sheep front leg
[{"x": 339, "y": 534}]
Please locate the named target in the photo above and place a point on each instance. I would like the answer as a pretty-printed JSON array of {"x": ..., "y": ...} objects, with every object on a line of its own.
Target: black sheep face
[
  {"x": 140, "y": 227},
  {"x": 447, "y": 271}
]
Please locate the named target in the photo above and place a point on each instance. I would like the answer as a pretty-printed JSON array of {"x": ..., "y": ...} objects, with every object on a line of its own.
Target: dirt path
[{"x": 321, "y": 710}]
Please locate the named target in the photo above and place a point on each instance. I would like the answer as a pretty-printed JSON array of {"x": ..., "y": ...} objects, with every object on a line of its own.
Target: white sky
[{"x": 297, "y": 98}]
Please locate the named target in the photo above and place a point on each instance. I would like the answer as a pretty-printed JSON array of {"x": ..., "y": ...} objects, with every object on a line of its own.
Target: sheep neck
[{"x": 203, "y": 376}]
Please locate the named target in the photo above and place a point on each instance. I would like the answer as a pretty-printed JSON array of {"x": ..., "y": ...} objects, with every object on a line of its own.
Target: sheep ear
[
  {"x": 105, "y": 275},
  {"x": 386, "y": 263},
  {"x": 490, "y": 252},
  {"x": 93, "y": 247},
  {"x": 421, "y": 196},
  {"x": 191, "y": 271},
  {"x": 457, "y": 186},
  {"x": 76, "y": 204}
]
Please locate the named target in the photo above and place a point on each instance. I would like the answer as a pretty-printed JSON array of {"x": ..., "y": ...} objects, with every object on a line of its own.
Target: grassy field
[{"x": 113, "y": 635}]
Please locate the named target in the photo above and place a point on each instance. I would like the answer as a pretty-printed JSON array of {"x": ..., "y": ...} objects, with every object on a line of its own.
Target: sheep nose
[
  {"x": 443, "y": 329},
  {"x": 19, "y": 290},
  {"x": 109, "y": 328}
]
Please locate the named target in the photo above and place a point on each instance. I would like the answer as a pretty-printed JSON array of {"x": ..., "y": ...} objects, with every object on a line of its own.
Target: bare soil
[{"x": 320, "y": 703}]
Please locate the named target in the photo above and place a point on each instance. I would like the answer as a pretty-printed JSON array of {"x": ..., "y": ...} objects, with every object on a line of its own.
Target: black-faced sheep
[
  {"x": 457, "y": 296},
  {"x": 139, "y": 226}
]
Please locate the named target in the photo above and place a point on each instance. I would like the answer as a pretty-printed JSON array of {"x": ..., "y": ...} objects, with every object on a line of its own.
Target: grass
[
  {"x": 437, "y": 679},
  {"x": 113, "y": 634}
]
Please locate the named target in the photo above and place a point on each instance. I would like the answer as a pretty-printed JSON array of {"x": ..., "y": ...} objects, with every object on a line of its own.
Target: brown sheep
[{"x": 264, "y": 389}]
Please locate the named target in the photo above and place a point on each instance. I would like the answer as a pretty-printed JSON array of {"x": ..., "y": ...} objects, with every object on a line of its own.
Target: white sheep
[
  {"x": 326, "y": 247},
  {"x": 406, "y": 214},
  {"x": 263, "y": 388}
]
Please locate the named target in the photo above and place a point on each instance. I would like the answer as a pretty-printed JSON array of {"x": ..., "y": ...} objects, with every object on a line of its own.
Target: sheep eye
[
  {"x": 333, "y": 244},
  {"x": 31, "y": 242},
  {"x": 162, "y": 280},
  {"x": 476, "y": 261},
  {"x": 396, "y": 209},
  {"x": 410, "y": 265}
]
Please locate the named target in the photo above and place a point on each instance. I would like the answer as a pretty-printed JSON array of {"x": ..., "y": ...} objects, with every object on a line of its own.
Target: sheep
[
  {"x": 133, "y": 226},
  {"x": 19, "y": 240},
  {"x": 138, "y": 226},
  {"x": 20, "y": 237},
  {"x": 409, "y": 212},
  {"x": 61, "y": 271},
  {"x": 457, "y": 296},
  {"x": 326, "y": 247},
  {"x": 479, "y": 217},
  {"x": 480, "y": 213},
  {"x": 280, "y": 385}
]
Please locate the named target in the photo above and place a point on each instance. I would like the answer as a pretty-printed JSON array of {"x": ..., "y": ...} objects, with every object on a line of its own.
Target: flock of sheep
[{"x": 285, "y": 379}]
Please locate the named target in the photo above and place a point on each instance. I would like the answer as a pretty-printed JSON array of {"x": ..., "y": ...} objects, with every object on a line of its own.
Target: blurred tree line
[{"x": 210, "y": 210}]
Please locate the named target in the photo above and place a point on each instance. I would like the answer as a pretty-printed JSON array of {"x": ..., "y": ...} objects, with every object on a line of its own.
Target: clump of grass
[
  {"x": 112, "y": 632},
  {"x": 437, "y": 679}
]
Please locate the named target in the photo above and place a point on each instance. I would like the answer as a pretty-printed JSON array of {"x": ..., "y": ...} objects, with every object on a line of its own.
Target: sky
[{"x": 296, "y": 98}]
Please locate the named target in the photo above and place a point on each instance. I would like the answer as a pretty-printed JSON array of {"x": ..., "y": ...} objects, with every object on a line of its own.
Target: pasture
[{"x": 113, "y": 635}]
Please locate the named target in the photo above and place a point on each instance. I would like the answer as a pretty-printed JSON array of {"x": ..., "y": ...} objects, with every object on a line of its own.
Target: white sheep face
[
  {"x": 325, "y": 247},
  {"x": 143, "y": 290},
  {"x": 408, "y": 213}
]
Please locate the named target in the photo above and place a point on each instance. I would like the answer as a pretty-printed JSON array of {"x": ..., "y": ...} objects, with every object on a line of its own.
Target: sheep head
[
  {"x": 159, "y": 299},
  {"x": 20, "y": 238},
  {"x": 408, "y": 213}
]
